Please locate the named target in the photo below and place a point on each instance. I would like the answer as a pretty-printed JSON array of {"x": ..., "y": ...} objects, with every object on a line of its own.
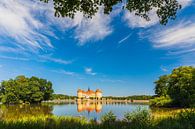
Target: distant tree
[
  {"x": 23, "y": 89},
  {"x": 165, "y": 9}
]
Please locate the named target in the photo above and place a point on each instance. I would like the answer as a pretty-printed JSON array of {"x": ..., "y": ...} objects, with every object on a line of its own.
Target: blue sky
[{"x": 120, "y": 53}]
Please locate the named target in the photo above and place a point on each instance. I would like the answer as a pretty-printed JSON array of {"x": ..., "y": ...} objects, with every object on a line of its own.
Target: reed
[{"x": 140, "y": 119}]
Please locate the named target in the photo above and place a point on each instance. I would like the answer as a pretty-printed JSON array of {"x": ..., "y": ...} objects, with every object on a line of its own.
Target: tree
[
  {"x": 165, "y": 9},
  {"x": 179, "y": 85},
  {"x": 161, "y": 87},
  {"x": 23, "y": 89}
]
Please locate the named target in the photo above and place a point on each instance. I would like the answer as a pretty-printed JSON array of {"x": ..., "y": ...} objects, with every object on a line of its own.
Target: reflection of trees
[
  {"x": 19, "y": 111},
  {"x": 90, "y": 107}
]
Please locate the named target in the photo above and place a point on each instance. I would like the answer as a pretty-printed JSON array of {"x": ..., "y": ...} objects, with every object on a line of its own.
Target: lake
[{"x": 88, "y": 110}]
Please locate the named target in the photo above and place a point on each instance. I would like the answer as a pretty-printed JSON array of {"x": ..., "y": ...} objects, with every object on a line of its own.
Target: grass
[{"x": 141, "y": 119}]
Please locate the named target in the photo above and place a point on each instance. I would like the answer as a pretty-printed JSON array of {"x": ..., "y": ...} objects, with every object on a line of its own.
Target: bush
[
  {"x": 141, "y": 118},
  {"x": 163, "y": 101},
  {"x": 109, "y": 117},
  {"x": 187, "y": 116}
]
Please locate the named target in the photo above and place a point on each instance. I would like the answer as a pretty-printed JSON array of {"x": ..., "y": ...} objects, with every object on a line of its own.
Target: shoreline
[{"x": 103, "y": 101}]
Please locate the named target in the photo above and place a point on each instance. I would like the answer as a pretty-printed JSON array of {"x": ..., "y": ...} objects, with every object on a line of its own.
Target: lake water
[{"x": 90, "y": 111}]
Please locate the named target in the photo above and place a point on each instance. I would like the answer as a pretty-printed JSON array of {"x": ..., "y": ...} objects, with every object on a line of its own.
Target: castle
[
  {"x": 89, "y": 94},
  {"x": 90, "y": 107}
]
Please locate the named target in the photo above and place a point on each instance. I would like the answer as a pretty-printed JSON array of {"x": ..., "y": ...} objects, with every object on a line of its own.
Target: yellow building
[
  {"x": 89, "y": 94},
  {"x": 90, "y": 107}
]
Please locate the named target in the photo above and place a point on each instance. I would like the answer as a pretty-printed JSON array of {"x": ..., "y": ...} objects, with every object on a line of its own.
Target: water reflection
[
  {"x": 18, "y": 111},
  {"x": 90, "y": 107},
  {"x": 87, "y": 109}
]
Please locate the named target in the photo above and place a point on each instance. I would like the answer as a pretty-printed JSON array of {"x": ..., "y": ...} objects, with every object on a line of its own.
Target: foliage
[
  {"x": 179, "y": 85},
  {"x": 25, "y": 90},
  {"x": 140, "y": 118},
  {"x": 108, "y": 117},
  {"x": 184, "y": 120},
  {"x": 62, "y": 97},
  {"x": 163, "y": 101},
  {"x": 165, "y": 9},
  {"x": 187, "y": 116},
  {"x": 134, "y": 97},
  {"x": 161, "y": 86}
]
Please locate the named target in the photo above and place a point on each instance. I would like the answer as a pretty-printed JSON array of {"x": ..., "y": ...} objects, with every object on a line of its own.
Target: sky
[{"x": 121, "y": 54}]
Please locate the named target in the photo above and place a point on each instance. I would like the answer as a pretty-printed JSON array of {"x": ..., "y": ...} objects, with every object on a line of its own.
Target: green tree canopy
[
  {"x": 165, "y": 9},
  {"x": 23, "y": 89},
  {"x": 179, "y": 85},
  {"x": 161, "y": 86}
]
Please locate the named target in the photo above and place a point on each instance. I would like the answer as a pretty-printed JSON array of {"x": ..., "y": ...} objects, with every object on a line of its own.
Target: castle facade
[{"x": 89, "y": 94}]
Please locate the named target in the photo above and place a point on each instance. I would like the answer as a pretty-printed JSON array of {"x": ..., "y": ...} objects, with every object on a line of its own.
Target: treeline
[
  {"x": 62, "y": 97},
  {"x": 134, "y": 97},
  {"x": 25, "y": 90},
  {"x": 176, "y": 89}
]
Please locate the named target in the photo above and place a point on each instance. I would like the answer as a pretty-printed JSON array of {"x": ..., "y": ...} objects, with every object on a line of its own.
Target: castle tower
[
  {"x": 98, "y": 94},
  {"x": 80, "y": 93}
]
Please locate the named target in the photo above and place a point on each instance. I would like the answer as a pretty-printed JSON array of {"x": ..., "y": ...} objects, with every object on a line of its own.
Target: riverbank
[
  {"x": 136, "y": 120},
  {"x": 102, "y": 101}
]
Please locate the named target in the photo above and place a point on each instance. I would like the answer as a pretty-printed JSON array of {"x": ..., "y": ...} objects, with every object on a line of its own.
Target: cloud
[
  {"x": 124, "y": 39},
  {"x": 1, "y": 66},
  {"x": 25, "y": 28},
  {"x": 12, "y": 50},
  {"x": 163, "y": 68},
  {"x": 185, "y": 3},
  {"x": 42, "y": 58},
  {"x": 93, "y": 29},
  {"x": 14, "y": 58},
  {"x": 135, "y": 21},
  {"x": 65, "y": 72},
  {"x": 55, "y": 60},
  {"x": 181, "y": 35},
  {"x": 181, "y": 51},
  {"x": 18, "y": 22},
  {"x": 89, "y": 71}
]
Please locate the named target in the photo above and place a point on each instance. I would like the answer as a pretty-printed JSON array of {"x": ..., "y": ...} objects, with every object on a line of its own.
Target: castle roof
[
  {"x": 98, "y": 90},
  {"x": 79, "y": 90},
  {"x": 89, "y": 91}
]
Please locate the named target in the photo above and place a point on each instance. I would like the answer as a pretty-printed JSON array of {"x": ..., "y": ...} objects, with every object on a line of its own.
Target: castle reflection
[{"x": 88, "y": 106}]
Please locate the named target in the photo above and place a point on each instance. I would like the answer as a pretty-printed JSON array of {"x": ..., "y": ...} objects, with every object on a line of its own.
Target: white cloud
[
  {"x": 134, "y": 21},
  {"x": 65, "y": 72},
  {"x": 181, "y": 35},
  {"x": 182, "y": 51},
  {"x": 14, "y": 58},
  {"x": 23, "y": 24},
  {"x": 18, "y": 22},
  {"x": 163, "y": 68},
  {"x": 55, "y": 60},
  {"x": 124, "y": 39},
  {"x": 90, "y": 71},
  {"x": 93, "y": 29},
  {"x": 185, "y": 3},
  {"x": 12, "y": 50}
]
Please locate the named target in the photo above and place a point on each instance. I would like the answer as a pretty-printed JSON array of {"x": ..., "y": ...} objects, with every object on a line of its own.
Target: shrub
[
  {"x": 163, "y": 101},
  {"x": 109, "y": 117},
  {"x": 141, "y": 118},
  {"x": 187, "y": 116}
]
